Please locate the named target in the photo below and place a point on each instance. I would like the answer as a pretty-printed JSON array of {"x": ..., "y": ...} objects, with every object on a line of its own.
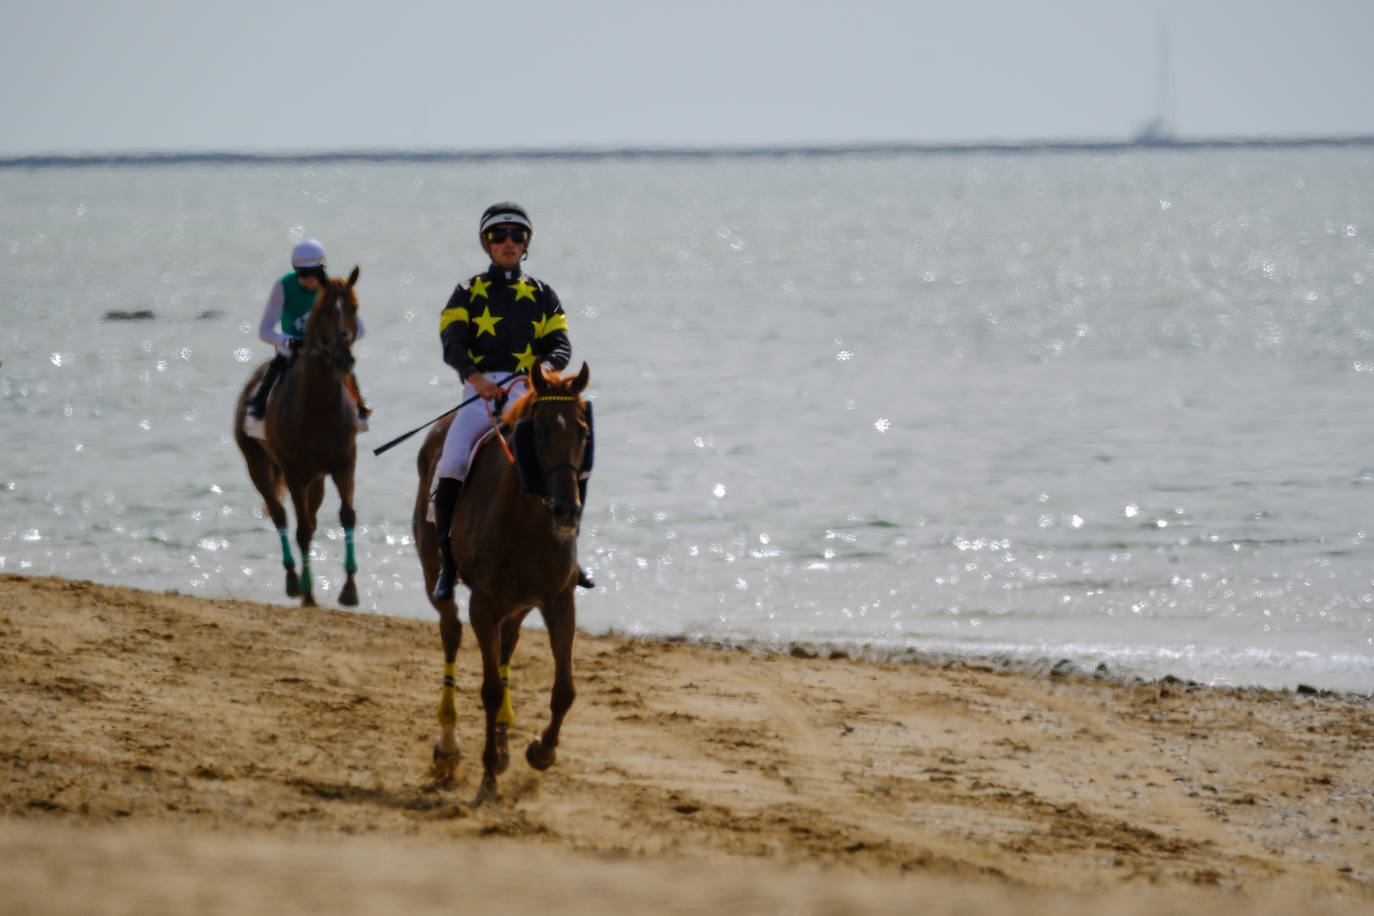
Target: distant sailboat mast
[{"x": 1158, "y": 131}]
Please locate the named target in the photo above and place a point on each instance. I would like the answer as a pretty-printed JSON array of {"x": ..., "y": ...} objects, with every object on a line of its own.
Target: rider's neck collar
[{"x": 500, "y": 273}]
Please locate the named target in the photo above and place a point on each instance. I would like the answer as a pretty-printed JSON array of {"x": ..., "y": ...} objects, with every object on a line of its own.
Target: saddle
[
  {"x": 257, "y": 429},
  {"x": 472, "y": 456}
]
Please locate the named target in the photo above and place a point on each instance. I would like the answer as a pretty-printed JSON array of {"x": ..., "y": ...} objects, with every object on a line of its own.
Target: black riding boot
[
  {"x": 445, "y": 500},
  {"x": 258, "y": 406}
]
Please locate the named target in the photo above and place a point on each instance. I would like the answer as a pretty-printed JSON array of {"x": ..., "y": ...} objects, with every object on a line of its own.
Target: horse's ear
[
  {"x": 353, "y": 277},
  {"x": 541, "y": 384},
  {"x": 580, "y": 383}
]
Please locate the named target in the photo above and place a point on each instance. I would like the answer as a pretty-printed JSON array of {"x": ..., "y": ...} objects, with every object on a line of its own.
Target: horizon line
[{"x": 226, "y": 157}]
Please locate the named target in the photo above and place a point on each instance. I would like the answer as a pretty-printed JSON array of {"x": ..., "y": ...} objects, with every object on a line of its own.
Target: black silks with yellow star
[{"x": 502, "y": 324}]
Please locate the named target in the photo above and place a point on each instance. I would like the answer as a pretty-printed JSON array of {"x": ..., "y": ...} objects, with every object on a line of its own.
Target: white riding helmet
[{"x": 308, "y": 253}]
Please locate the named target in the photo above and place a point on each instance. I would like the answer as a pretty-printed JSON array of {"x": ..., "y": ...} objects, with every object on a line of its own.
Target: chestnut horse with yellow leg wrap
[
  {"x": 514, "y": 540},
  {"x": 311, "y": 423}
]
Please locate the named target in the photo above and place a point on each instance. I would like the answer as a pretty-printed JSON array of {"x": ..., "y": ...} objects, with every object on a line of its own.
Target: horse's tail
[
  {"x": 426, "y": 460},
  {"x": 266, "y": 475}
]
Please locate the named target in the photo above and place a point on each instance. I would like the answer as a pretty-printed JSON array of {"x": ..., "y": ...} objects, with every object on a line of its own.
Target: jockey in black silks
[{"x": 500, "y": 323}]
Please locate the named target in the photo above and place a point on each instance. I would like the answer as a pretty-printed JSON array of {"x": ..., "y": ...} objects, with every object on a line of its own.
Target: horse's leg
[
  {"x": 293, "y": 584},
  {"x": 306, "y": 498},
  {"x": 481, "y": 612},
  {"x": 343, "y": 482},
  {"x": 446, "y": 749},
  {"x": 505, "y": 717},
  {"x": 560, "y": 618},
  {"x": 266, "y": 478}
]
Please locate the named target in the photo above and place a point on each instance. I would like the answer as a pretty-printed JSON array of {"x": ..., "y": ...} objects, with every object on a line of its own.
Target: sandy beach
[{"x": 165, "y": 753}]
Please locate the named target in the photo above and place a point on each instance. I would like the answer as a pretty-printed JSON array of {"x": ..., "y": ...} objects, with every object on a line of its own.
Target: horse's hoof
[
  {"x": 349, "y": 596},
  {"x": 293, "y": 584},
  {"x": 444, "y": 758},
  {"x": 488, "y": 793},
  {"x": 539, "y": 757},
  {"x": 308, "y": 600},
  {"x": 502, "y": 748}
]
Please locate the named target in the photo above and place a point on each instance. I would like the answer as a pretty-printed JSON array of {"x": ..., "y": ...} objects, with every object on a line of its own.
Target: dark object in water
[
  {"x": 210, "y": 313},
  {"x": 118, "y": 315}
]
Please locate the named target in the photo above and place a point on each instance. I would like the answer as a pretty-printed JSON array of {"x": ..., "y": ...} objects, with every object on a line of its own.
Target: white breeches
[{"x": 467, "y": 427}]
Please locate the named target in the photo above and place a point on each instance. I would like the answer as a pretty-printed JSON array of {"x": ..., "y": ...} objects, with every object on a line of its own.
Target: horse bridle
[
  {"x": 327, "y": 354},
  {"x": 527, "y": 462}
]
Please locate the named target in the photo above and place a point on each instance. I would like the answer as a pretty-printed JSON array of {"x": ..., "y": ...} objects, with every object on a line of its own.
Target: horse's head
[
  {"x": 333, "y": 323},
  {"x": 553, "y": 443}
]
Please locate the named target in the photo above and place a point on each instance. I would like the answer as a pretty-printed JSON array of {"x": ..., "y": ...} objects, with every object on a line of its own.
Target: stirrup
[{"x": 584, "y": 580}]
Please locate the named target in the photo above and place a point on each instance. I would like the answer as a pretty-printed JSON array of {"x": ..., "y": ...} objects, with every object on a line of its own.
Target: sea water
[{"x": 1109, "y": 407}]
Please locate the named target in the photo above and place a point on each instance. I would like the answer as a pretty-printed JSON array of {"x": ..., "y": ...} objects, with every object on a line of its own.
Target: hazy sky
[{"x": 273, "y": 75}]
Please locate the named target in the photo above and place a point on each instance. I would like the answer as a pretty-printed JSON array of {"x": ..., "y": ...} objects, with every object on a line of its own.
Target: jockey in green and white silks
[{"x": 283, "y": 319}]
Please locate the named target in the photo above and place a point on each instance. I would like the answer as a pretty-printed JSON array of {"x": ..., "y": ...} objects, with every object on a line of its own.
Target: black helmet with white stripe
[{"x": 504, "y": 212}]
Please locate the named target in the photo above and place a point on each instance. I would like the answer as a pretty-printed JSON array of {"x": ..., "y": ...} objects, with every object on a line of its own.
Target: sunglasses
[
  {"x": 303, "y": 272},
  {"x": 497, "y": 236}
]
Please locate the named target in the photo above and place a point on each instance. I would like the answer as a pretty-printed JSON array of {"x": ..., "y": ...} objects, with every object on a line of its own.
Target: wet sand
[{"x": 164, "y": 753}]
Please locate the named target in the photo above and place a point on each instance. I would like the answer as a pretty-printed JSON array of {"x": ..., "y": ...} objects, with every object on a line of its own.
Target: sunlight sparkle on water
[{"x": 1258, "y": 335}]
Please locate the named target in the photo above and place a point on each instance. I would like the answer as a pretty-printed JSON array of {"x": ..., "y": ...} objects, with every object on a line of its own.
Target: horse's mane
[
  {"x": 331, "y": 287},
  {"x": 520, "y": 408}
]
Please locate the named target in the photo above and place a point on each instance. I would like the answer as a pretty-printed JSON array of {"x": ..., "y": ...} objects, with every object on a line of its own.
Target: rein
[{"x": 507, "y": 385}]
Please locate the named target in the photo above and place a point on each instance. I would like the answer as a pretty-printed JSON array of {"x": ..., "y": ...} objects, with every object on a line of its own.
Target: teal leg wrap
[
  {"x": 306, "y": 585},
  {"x": 286, "y": 558},
  {"x": 350, "y": 561}
]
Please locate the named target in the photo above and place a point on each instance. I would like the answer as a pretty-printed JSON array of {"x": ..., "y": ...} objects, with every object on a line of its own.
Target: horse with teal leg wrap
[{"x": 311, "y": 424}]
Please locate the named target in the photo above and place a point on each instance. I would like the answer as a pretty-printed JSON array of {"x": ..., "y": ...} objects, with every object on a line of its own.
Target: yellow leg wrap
[
  {"x": 506, "y": 713},
  {"x": 448, "y": 709}
]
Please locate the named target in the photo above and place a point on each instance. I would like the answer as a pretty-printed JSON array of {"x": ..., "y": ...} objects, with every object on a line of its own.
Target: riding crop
[{"x": 401, "y": 438}]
